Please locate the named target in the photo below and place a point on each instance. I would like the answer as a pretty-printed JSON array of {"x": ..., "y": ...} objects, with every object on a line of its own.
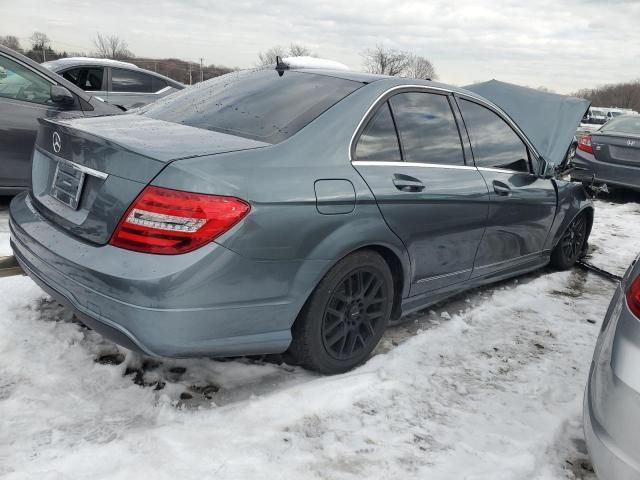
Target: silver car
[
  {"x": 612, "y": 398},
  {"x": 120, "y": 83}
]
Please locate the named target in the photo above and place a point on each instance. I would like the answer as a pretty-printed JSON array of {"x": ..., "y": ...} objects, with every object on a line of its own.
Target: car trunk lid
[
  {"x": 86, "y": 172},
  {"x": 616, "y": 148}
]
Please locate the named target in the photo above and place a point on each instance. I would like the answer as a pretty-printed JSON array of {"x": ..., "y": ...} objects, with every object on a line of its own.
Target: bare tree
[
  {"x": 385, "y": 61},
  {"x": 10, "y": 41},
  {"x": 40, "y": 43},
  {"x": 298, "y": 50},
  {"x": 621, "y": 95},
  {"x": 419, "y": 67},
  {"x": 268, "y": 57},
  {"x": 111, "y": 46},
  {"x": 39, "y": 40}
]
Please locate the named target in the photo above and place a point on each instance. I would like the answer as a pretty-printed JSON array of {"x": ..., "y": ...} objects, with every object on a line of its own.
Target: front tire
[
  {"x": 571, "y": 245},
  {"x": 346, "y": 315}
]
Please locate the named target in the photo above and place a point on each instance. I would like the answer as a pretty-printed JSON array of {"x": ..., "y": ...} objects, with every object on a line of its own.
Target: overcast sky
[{"x": 561, "y": 44}]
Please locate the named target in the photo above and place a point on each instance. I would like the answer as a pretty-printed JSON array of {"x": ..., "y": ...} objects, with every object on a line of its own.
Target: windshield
[
  {"x": 264, "y": 105},
  {"x": 623, "y": 125}
]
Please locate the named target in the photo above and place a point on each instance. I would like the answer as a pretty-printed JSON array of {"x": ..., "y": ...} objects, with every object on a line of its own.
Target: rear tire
[
  {"x": 571, "y": 245},
  {"x": 346, "y": 315}
]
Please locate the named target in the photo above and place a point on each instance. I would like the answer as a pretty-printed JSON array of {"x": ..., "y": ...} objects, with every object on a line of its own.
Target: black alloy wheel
[
  {"x": 571, "y": 245},
  {"x": 353, "y": 313},
  {"x": 345, "y": 316}
]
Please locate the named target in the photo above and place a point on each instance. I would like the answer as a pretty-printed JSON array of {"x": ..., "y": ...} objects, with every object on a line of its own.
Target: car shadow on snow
[{"x": 210, "y": 382}]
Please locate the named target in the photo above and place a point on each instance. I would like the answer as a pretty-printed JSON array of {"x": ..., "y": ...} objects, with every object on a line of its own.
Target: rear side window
[
  {"x": 427, "y": 128},
  {"x": 130, "y": 81},
  {"x": 493, "y": 141},
  {"x": 378, "y": 141},
  {"x": 262, "y": 105},
  {"x": 157, "y": 84},
  {"x": 623, "y": 125}
]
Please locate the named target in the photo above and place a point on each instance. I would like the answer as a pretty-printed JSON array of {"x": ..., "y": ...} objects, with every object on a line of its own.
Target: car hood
[{"x": 547, "y": 119}]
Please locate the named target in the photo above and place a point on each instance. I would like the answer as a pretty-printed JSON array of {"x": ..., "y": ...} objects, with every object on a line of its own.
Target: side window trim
[
  {"x": 395, "y": 126},
  {"x": 531, "y": 152},
  {"x": 462, "y": 131},
  {"x": 454, "y": 113},
  {"x": 384, "y": 98},
  {"x": 370, "y": 118}
]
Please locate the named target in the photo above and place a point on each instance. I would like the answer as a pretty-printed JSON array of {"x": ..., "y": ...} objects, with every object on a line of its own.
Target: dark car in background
[
  {"x": 611, "y": 154},
  {"x": 29, "y": 92},
  {"x": 119, "y": 83},
  {"x": 296, "y": 210}
]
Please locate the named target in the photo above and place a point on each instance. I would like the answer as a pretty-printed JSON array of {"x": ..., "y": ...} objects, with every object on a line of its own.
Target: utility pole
[
  {"x": 201, "y": 71},
  {"x": 44, "y": 55},
  {"x": 190, "y": 79}
]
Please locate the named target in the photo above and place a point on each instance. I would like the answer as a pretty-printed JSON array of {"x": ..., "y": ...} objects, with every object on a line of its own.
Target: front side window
[
  {"x": 128, "y": 81},
  {"x": 20, "y": 83},
  {"x": 264, "y": 105},
  {"x": 493, "y": 141},
  {"x": 427, "y": 128},
  {"x": 378, "y": 141},
  {"x": 88, "y": 79}
]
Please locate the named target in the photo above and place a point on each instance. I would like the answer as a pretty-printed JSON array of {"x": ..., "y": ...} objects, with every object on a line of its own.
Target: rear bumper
[
  {"x": 610, "y": 173},
  {"x": 608, "y": 459},
  {"x": 210, "y": 302}
]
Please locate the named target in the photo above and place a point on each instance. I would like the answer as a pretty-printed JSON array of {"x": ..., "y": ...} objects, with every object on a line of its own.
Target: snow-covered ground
[{"x": 485, "y": 386}]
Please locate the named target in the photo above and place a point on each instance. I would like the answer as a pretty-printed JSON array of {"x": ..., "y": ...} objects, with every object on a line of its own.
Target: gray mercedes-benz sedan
[
  {"x": 296, "y": 210},
  {"x": 611, "y": 154},
  {"x": 612, "y": 397},
  {"x": 120, "y": 83}
]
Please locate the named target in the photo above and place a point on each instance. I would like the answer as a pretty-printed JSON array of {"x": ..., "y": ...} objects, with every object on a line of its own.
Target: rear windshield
[
  {"x": 262, "y": 104},
  {"x": 623, "y": 125}
]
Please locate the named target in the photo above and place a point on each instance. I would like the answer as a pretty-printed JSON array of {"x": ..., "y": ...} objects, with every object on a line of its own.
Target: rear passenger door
[
  {"x": 411, "y": 155},
  {"x": 522, "y": 206}
]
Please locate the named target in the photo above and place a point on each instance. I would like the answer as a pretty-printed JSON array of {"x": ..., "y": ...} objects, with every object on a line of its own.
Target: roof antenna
[{"x": 280, "y": 65}]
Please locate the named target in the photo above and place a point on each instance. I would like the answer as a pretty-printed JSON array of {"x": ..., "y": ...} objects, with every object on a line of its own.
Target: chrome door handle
[
  {"x": 501, "y": 189},
  {"x": 406, "y": 183}
]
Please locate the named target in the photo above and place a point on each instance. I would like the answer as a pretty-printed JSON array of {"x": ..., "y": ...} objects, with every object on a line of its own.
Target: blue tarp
[{"x": 547, "y": 119}]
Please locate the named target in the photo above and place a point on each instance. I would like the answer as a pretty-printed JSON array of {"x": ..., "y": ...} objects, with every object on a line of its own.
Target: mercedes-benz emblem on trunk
[{"x": 57, "y": 143}]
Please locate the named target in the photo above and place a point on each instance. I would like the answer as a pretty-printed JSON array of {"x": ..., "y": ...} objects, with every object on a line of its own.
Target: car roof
[
  {"x": 59, "y": 64},
  {"x": 88, "y": 61},
  {"x": 55, "y": 78},
  {"x": 390, "y": 80}
]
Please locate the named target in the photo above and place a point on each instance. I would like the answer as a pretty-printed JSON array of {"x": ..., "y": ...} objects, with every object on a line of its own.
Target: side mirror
[
  {"x": 62, "y": 96},
  {"x": 549, "y": 169}
]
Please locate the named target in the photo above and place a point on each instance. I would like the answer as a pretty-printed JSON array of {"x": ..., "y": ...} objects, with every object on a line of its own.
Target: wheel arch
[{"x": 399, "y": 266}]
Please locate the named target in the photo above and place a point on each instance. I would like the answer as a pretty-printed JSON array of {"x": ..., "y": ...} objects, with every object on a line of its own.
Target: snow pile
[
  {"x": 313, "y": 62},
  {"x": 615, "y": 239}
]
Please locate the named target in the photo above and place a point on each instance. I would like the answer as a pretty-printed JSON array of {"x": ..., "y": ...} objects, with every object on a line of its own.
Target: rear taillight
[
  {"x": 584, "y": 144},
  {"x": 169, "y": 222},
  {"x": 633, "y": 297}
]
